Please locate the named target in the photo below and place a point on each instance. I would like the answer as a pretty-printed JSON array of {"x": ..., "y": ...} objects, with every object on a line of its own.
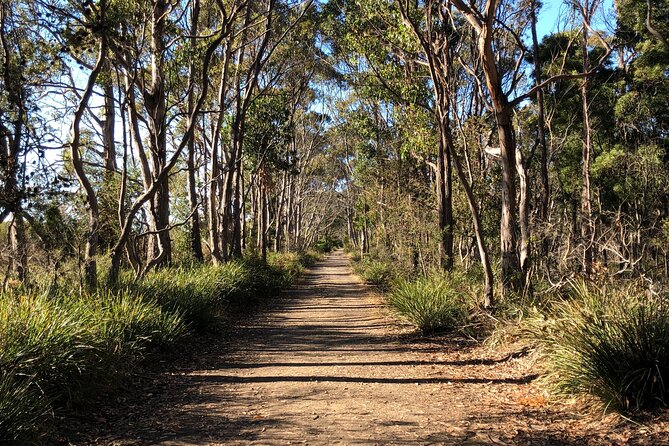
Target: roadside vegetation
[
  {"x": 57, "y": 347},
  {"x": 509, "y": 185},
  {"x": 607, "y": 343}
]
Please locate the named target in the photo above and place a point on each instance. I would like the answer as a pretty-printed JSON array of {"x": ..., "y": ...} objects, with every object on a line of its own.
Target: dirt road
[{"x": 325, "y": 365}]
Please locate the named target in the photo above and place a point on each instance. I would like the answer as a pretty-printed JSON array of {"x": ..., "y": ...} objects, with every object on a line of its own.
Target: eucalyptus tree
[
  {"x": 26, "y": 64},
  {"x": 431, "y": 25},
  {"x": 151, "y": 83},
  {"x": 268, "y": 134},
  {"x": 587, "y": 10},
  {"x": 375, "y": 40},
  {"x": 261, "y": 28},
  {"x": 94, "y": 23},
  {"x": 13, "y": 117},
  {"x": 500, "y": 83}
]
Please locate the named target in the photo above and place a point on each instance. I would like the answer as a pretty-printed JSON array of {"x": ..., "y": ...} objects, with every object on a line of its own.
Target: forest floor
[{"x": 326, "y": 364}]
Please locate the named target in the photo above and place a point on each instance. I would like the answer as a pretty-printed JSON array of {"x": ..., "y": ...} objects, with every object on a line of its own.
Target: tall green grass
[
  {"x": 613, "y": 345},
  {"x": 57, "y": 347},
  {"x": 22, "y": 407},
  {"x": 375, "y": 272},
  {"x": 432, "y": 303}
]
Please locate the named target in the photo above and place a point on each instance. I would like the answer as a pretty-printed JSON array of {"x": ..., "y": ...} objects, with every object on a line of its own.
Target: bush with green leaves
[
  {"x": 197, "y": 294},
  {"x": 432, "y": 303},
  {"x": 327, "y": 244},
  {"x": 200, "y": 293},
  {"x": 612, "y": 344},
  {"x": 310, "y": 257}
]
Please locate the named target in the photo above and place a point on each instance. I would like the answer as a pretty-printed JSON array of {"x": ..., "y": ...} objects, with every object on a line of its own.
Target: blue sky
[{"x": 555, "y": 11}]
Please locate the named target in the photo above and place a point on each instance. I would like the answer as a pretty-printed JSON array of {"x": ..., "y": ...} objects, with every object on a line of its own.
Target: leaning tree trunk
[
  {"x": 488, "y": 295},
  {"x": 90, "y": 264}
]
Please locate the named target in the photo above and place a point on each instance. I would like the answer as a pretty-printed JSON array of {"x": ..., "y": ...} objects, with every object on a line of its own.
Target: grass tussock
[
  {"x": 22, "y": 407},
  {"x": 433, "y": 303},
  {"x": 57, "y": 347},
  {"x": 612, "y": 345},
  {"x": 375, "y": 272}
]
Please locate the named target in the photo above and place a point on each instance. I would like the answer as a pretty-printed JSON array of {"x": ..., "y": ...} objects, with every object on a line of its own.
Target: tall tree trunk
[
  {"x": 435, "y": 41},
  {"x": 541, "y": 124},
  {"x": 483, "y": 27},
  {"x": 237, "y": 210},
  {"x": 279, "y": 218},
  {"x": 445, "y": 193},
  {"x": 488, "y": 291},
  {"x": 10, "y": 148},
  {"x": 195, "y": 233},
  {"x": 216, "y": 185},
  {"x": 587, "y": 229},
  {"x": 19, "y": 259},
  {"x": 90, "y": 264},
  {"x": 264, "y": 215},
  {"x": 160, "y": 246},
  {"x": 162, "y": 175},
  {"x": 511, "y": 272},
  {"x": 108, "y": 130},
  {"x": 523, "y": 214}
]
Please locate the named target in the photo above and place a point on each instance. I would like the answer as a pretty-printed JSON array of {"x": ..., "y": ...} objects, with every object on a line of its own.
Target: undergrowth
[
  {"x": 432, "y": 303},
  {"x": 611, "y": 344},
  {"x": 375, "y": 272},
  {"x": 58, "y": 347}
]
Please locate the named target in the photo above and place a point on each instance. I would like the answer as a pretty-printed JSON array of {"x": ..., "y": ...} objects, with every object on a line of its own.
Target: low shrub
[
  {"x": 43, "y": 339},
  {"x": 375, "y": 272},
  {"x": 310, "y": 257},
  {"x": 284, "y": 267},
  {"x": 200, "y": 293},
  {"x": 126, "y": 325},
  {"x": 613, "y": 345},
  {"x": 430, "y": 303},
  {"x": 196, "y": 294}
]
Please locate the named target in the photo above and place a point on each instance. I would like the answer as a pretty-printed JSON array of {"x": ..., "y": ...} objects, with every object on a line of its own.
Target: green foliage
[
  {"x": 55, "y": 347},
  {"x": 310, "y": 257},
  {"x": 431, "y": 303},
  {"x": 613, "y": 345},
  {"x": 327, "y": 244},
  {"x": 22, "y": 408},
  {"x": 286, "y": 266},
  {"x": 196, "y": 294},
  {"x": 269, "y": 130},
  {"x": 62, "y": 341},
  {"x": 375, "y": 272}
]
